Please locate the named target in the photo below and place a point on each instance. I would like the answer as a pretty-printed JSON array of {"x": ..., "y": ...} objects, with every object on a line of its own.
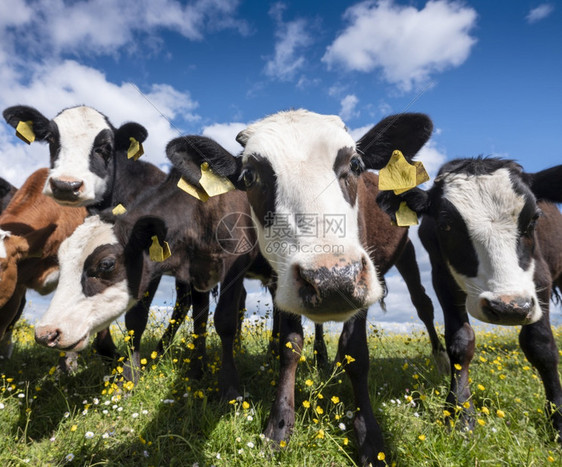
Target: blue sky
[{"x": 488, "y": 73}]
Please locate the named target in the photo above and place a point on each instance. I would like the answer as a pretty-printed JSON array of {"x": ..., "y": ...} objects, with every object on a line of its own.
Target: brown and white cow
[
  {"x": 31, "y": 229},
  {"x": 320, "y": 229},
  {"x": 493, "y": 238}
]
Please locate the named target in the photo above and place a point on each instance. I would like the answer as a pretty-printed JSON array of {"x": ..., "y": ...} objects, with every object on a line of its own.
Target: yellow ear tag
[
  {"x": 24, "y": 131},
  {"x": 212, "y": 183},
  {"x": 118, "y": 210},
  {"x": 158, "y": 253},
  {"x": 405, "y": 216},
  {"x": 192, "y": 190},
  {"x": 135, "y": 149},
  {"x": 400, "y": 176}
]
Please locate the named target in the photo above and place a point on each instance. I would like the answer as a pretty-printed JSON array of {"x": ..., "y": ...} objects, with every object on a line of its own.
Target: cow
[
  {"x": 106, "y": 269},
  {"x": 312, "y": 200},
  {"x": 31, "y": 229},
  {"x": 7, "y": 191},
  {"x": 492, "y": 233},
  {"x": 89, "y": 156}
]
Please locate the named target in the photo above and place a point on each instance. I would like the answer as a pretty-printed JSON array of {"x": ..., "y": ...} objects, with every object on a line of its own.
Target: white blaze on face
[
  {"x": 78, "y": 128},
  {"x": 490, "y": 208},
  {"x": 75, "y": 315},
  {"x": 314, "y": 223}
]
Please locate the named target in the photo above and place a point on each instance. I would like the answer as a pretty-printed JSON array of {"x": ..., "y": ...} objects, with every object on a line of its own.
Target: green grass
[{"x": 48, "y": 417}]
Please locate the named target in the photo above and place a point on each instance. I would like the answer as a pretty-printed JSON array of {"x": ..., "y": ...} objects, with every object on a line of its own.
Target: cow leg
[
  {"x": 539, "y": 347},
  {"x": 135, "y": 320},
  {"x": 226, "y": 323},
  {"x": 282, "y": 417},
  {"x": 10, "y": 314},
  {"x": 354, "y": 354},
  {"x": 320, "y": 350},
  {"x": 408, "y": 268},
  {"x": 200, "y": 312},
  {"x": 183, "y": 303}
]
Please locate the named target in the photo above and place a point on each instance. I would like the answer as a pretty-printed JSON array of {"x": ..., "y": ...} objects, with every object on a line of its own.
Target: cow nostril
[
  {"x": 49, "y": 338},
  {"x": 305, "y": 279}
]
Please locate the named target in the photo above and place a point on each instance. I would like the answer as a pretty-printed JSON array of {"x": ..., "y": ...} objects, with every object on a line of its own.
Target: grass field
[{"x": 89, "y": 418}]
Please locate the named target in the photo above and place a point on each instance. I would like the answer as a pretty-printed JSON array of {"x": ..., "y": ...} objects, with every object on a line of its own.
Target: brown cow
[{"x": 32, "y": 228}]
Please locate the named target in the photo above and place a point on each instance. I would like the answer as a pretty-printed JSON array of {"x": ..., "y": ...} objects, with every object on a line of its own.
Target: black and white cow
[
  {"x": 493, "y": 238},
  {"x": 106, "y": 269},
  {"x": 89, "y": 163},
  {"x": 320, "y": 229}
]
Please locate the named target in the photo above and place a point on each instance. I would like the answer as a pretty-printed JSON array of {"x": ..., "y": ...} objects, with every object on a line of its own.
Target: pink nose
[{"x": 48, "y": 337}]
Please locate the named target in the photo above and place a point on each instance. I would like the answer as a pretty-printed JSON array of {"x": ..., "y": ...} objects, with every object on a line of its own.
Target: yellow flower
[
  {"x": 282, "y": 443},
  {"x": 73, "y": 427},
  {"x": 446, "y": 413},
  {"x": 346, "y": 442},
  {"x": 320, "y": 434},
  {"x": 500, "y": 413},
  {"x": 143, "y": 361},
  {"x": 550, "y": 459},
  {"x": 129, "y": 385},
  {"x": 349, "y": 359},
  {"x": 245, "y": 405},
  {"x": 481, "y": 387},
  {"x": 153, "y": 355},
  {"x": 380, "y": 456},
  {"x": 481, "y": 422},
  {"x": 335, "y": 399},
  {"x": 319, "y": 410},
  {"x": 404, "y": 367},
  {"x": 119, "y": 369},
  {"x": 485, "y": 411},
  {"x": 466, "y": 405},
  {"x": 233, "y": 401},
  {"x": 458, "y": 367},
  {"x": 309, "y": 382},
  {"x": 421, "y": 437},
  {"x": 306, "y": 404},
  {"x": 190, "y": 345},
  {"x": 289, "y": 345}
]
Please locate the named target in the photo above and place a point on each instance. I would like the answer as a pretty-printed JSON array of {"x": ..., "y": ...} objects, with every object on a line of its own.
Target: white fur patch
[
  {"x": 75, "y": 315},
  {"x": 302, "y": 148},
  {"x": 490, "y": 208},
  {"x": 78, "y": 128},
  {"x": 3, "y": 235}
]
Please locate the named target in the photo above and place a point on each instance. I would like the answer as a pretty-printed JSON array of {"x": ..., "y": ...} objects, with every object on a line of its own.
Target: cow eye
[
  {"x": 356, "y": 165},
  {"x": 249, "y": 176},
  {"x": 106, "y": 265},
  {"x": 532, "y": 224},
  {"x": 102, "y": 150}
]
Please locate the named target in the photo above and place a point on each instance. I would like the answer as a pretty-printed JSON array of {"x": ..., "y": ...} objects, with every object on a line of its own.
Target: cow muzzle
[
  {"x": 53, "y": 337},
  {"x": 66, "y": 191},
  {"x": 510, "y": 310},
  {"x": 334, "y": 293}
]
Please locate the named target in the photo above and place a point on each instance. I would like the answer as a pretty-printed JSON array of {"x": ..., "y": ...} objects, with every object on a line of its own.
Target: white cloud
[
  {"x": 54, "y": 87},
  {"x": 225, "y": 135},
  {"x": 539, "y": 13},
  {"x": 291, "y": 39},
  {"x": 105, "y": 26},
  {"x": 348, "y": 107},
  {"x": 407, "y": 44}
]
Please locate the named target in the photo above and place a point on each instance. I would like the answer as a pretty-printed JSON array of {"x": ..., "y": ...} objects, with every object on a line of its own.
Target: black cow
[{"x": 493, "y": 239}]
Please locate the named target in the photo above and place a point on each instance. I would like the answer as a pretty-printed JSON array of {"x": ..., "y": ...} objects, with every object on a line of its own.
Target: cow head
[
  {"x": 483, "y": 212},
  {"x": 83, "y": 146},
  {"x": 101, "y": 270},
  {"x": 301, "y": 172}
]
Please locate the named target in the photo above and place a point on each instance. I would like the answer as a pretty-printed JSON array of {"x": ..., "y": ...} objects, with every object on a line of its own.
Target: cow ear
[
  {"x": 416, "y": 199},
  {"x": 41, "y": 125},
  {"x": 406, "y": 132},
  {"x": 127, "y": 131},
  {"x": 547, "y": 184},
  {"x": 188, "y": 153}
]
